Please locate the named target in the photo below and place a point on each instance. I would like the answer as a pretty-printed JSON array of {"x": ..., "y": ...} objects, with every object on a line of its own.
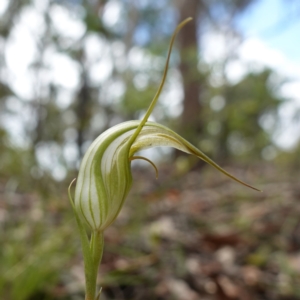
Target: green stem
[
  {"x": 91, "y": 271},
  {"x": 97, "y": 249}
]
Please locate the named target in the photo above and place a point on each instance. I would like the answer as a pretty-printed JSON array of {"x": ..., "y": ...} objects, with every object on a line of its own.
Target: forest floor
[
  {"x": 192, "y": 236},
  {"x": 203, "y": 236}
]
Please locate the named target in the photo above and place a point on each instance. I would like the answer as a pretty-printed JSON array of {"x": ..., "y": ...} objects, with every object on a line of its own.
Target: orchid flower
[{"x": 105, "y": 177}]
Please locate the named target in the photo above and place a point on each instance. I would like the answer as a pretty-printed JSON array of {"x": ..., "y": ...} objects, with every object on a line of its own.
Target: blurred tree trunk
[
  {"x": 83, "y": 112},
  {"x": 188, "y": 47}
]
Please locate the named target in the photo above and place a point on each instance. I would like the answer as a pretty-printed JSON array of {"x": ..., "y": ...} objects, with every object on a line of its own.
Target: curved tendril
[
  {"x": 69, "y": 193},
  {"x": 153, "y": 103},
  {"x": 148, "y": 160}
]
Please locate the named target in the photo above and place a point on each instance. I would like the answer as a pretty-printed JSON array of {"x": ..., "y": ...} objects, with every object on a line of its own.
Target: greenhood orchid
[{"x": 105, "y": 178}]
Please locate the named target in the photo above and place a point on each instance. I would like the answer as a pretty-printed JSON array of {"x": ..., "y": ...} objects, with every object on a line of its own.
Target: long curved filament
[
  {"x": 153, "y": 103},
  {"x": 148, "y": 160}
]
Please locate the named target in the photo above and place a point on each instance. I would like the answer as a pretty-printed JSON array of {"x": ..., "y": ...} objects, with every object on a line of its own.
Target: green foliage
[
  {"x": 33, "y": 255},
  {"x": 244, "y": 116}
]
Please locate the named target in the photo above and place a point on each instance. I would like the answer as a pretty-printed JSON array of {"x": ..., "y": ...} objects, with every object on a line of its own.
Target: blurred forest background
[{"x": 70, "y": 69}]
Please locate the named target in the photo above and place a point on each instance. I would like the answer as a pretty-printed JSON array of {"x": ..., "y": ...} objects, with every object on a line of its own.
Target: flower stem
[{"x": 91, "y": 271}]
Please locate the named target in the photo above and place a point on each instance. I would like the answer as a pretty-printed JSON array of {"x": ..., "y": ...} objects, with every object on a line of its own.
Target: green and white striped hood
[{"x": 105, "y": 173}]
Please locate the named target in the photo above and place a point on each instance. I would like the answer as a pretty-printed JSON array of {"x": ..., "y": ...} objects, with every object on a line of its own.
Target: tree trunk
[
  {"x": 83, "y": 113},
  {"x": 190, "y": 119}
]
